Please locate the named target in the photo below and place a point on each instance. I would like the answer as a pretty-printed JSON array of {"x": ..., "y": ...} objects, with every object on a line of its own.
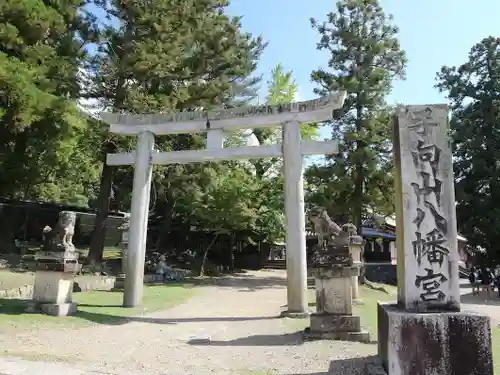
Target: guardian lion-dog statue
[
  {"x": 324, "y": 227},
  {"x": 61, "y": 238}
]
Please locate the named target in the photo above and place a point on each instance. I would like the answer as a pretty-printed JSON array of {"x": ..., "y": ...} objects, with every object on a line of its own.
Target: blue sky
[{"x": 433, "y": 33}]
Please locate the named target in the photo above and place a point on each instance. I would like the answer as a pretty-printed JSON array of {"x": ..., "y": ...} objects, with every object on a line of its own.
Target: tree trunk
[
  {"x": 99, "y": 232},
  {"x": 202, "y": 266}
]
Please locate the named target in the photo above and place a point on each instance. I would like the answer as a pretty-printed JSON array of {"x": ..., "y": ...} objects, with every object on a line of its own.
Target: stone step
[
  {"x": 335, "y": 323},
  {"x": 361, "y": 336}
]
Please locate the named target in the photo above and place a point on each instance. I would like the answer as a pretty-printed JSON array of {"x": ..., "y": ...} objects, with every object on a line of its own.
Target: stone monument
[
  {"x": 56, "y": 263},
  {"x": 424, "y": 332},
  {"x": 333, "y": 272}
]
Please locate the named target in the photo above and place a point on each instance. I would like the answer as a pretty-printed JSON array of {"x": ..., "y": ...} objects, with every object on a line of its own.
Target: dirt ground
[
  {"x": 229, "y": 328},
  {"x": 240, "y": 317}
]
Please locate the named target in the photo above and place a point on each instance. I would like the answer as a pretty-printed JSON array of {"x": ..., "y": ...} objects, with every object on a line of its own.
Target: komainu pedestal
[
  {"x": 57, "y": 263},
  {"x": 333, "y": 319},
  {"x": 334, "y": 272}
]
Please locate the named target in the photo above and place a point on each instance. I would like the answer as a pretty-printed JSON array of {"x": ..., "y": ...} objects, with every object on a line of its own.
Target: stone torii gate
[{"x": 292, "y": 149}]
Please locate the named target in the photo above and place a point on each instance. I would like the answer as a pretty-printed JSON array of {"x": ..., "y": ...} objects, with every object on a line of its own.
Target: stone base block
[
  {"x": 361, "y": 336},
  {"x": 53, "y": 287},
  {"x": 333, "y": 296},
  {"x": 60, "y": 309},
  {"x": 444, "y": 343},
  {"x": 335, "y": 323},
  {"x": 54, "y": 309},
  {"x": 335, "y": 272}
]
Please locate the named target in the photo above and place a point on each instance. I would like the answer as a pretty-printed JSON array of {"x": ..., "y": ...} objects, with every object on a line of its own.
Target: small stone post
[
  {"x": 334, "y": 271},
  {"x": 425, "y": 332},
  {"x": 57, "y": 263}
]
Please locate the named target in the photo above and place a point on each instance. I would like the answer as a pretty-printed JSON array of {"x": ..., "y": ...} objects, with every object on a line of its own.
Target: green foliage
[
  {"x": 365, "y": 57},
  {"x": 472, "y": 89},
  {"x": 227, "y": 203},
  {"x": 41, "y": 48}
]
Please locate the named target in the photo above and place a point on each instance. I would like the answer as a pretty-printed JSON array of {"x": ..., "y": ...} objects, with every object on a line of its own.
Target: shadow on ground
[
  {"x": 288, "y": 339},
  {"x": 18, "y": 307},
  {"x": 349, "y": 366},
  {"x": 241, "y": 281}
]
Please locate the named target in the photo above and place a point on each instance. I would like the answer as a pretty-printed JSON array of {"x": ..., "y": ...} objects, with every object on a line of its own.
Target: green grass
[
  {"x": 95, "y": 307},
  {"x": 368, "y": 310}
]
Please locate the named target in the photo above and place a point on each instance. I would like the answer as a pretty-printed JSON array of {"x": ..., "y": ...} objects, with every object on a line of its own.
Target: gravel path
[{"x": 240, "y": 316}]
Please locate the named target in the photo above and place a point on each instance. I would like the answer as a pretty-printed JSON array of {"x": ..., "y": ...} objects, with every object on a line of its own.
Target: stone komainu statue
[
  {"x": 61, "y": 237},
  {"x": 324, "y": 227}
]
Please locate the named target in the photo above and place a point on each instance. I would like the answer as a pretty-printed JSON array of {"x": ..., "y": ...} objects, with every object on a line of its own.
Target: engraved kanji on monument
[{"x": 428, "y": 277}]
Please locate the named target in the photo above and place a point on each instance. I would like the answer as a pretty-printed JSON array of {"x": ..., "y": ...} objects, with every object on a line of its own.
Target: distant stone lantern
[{"x": 124, "y": 228}]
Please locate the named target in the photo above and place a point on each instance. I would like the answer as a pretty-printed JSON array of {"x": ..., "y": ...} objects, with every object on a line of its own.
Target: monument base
[{"x": 444, "y": 343}]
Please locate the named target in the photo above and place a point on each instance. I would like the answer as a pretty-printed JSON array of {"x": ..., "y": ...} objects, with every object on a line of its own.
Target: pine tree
[
  {"x": 365, "y": 57},
  {"x": 473, "y": 90},
  {"x": 41, "y": 48},
  {"x": 165, "y": 56}
]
